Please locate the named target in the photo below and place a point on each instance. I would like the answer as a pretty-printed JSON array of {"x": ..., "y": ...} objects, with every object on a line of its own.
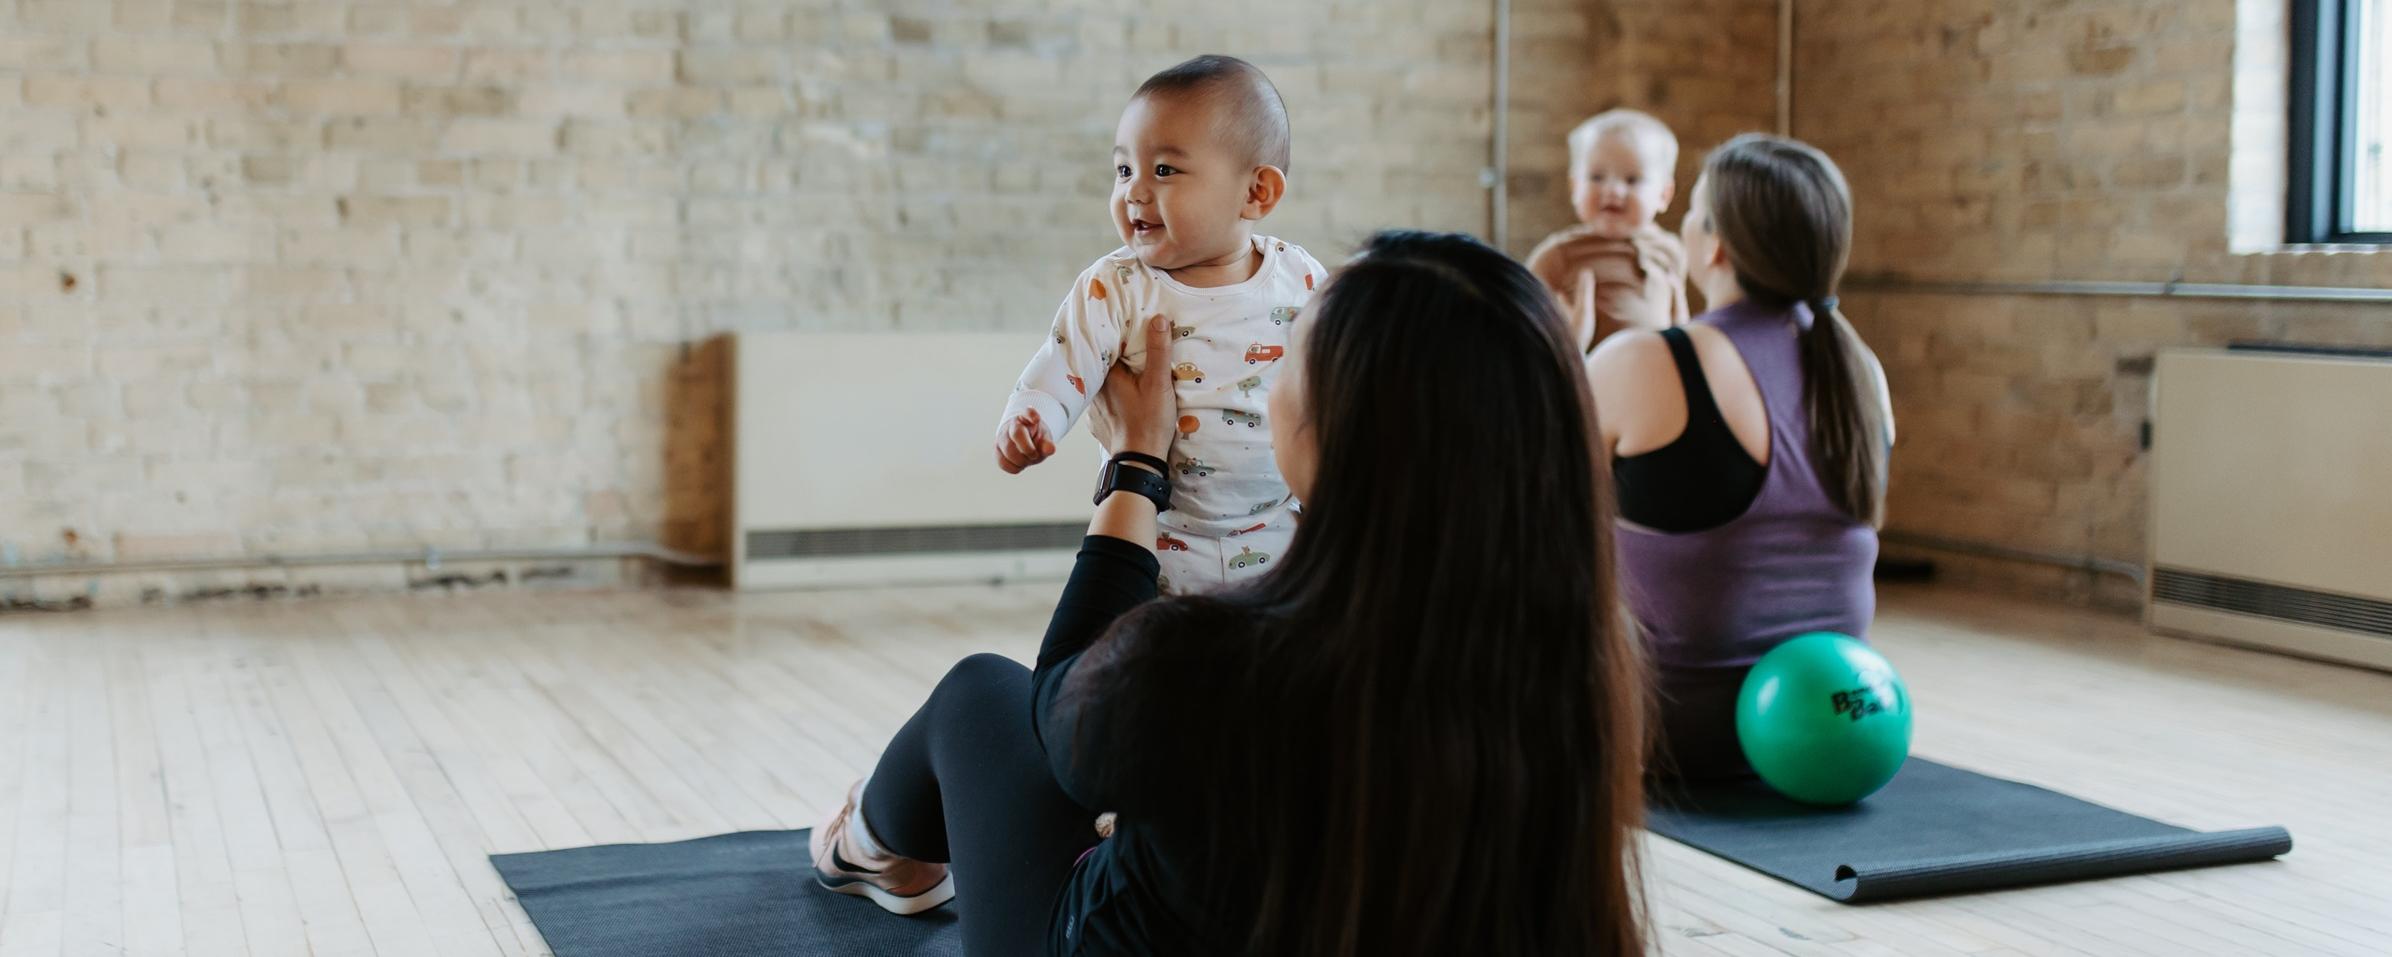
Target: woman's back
[
  {"x": 1791, "y": 562},
  {"x": 1712, "y": 601},
  {"x": 1421, "y": 732}
]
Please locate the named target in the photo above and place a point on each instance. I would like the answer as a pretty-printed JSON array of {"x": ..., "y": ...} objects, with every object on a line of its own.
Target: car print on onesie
[
  {"x": 1187, "y": 372},
  {"x": 1194, "y": 467},
  {"x": 1262, "y": 353},
  {"x": 1247, "y": 419},
  {"x": 1248, "y": 558},
  {"x": 1163, "y": 542}
]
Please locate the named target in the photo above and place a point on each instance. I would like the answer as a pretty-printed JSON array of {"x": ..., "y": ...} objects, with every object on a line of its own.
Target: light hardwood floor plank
[{"x": 327, "y": 777}]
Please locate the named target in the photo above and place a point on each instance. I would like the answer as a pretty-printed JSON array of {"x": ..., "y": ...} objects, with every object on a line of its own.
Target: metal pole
[
  {"x": 2083, "y": 563},
  {"x": 2149, "y": 290},
  {"x": 1785, "y": 67},
  {"x": 1498, "y": 173}
]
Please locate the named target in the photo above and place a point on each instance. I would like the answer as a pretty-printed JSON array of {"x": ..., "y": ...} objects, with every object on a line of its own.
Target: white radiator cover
[
  {"x": 2271, "y": 501},
  {"x": 867, "y": 459}
]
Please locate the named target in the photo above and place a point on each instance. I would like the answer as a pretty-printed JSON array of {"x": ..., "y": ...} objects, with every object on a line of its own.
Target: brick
[
  {"x": 680, "y": 102},
  {"x": 569, "y": 99},
  {"x": 351, "y": 246},
  {"x": 76, "y": 91},
  {"x": 65, "y": 16},
  {"x": 29, "y": 138},
  {"x": 143, "y": 131},
  {"x": 227, "y": 96},
  {"x": 42, "y": 363},
  {"x": 408, "y": 61},
  {"x": 288, "y": 17},
  {"x": 620, "y": 66},
  {"x": 153, "y": 56},
  {"x": 367, "y": 211},
  {"x": 2163, "y": 96},
  {"x": 261, "y": 135},
  {"x": 341, "y": 97},
  {"x": 303, "y": 283},
  {"x": 200, "y": 17},
  {"x": 378, "y": 19},
  {"x": 143, "y": 16},
  {"x": 732, "y": 65},
  {"x": 41, "y": 53},
  {"x": 216, "y": 243},
  {"x": 475, "y": 136},
  {"x": 152, "y": 172},
  {"x": 383, "y": 135},
  {"x": 509, "y": 66},
  {"x": 460, "y": 101},
  {"x": 287, "y": 60}
]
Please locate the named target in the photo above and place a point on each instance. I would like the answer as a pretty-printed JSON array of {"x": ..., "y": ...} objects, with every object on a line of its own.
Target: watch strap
[{"x": 1159, "y": 466}]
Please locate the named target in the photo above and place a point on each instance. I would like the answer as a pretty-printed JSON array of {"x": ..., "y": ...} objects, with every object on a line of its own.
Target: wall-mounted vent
[
  {"x": 868, "y": 459},
  {"x": 2262, "y": 600},
  {"x": 766, "y": 545},
  {"x": 2271, "y": 500}
]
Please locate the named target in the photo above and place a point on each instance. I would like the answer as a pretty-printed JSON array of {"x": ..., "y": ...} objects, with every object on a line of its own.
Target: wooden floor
[{"x": 327, "y": 777}]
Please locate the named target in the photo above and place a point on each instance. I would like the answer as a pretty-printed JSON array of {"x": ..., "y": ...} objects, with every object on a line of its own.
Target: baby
[
  {"x": 1616, "y": 269},
  {"x": 1200, "y": 156}
]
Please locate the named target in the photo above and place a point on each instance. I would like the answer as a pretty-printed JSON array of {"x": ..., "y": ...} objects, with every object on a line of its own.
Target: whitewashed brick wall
[{"x": 338, "y": 274}]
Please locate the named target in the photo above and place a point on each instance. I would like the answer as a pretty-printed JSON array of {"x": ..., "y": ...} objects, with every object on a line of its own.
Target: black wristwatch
[{"x": 1118, "y": 478}]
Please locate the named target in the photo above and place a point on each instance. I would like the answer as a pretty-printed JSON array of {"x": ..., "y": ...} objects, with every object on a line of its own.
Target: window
[{"x": 2341, "y": 163}]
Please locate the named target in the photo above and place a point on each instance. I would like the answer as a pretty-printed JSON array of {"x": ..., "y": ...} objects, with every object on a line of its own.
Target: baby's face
[
  {"x": 1613, "y": 190},
  {"x": 1179, "y": 194}
]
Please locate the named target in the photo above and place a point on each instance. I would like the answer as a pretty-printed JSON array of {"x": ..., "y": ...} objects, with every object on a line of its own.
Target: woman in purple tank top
[{"x": 1748, "y": 447}]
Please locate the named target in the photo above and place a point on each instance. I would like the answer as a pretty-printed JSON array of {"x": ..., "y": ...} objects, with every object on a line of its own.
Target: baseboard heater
[
  {"x": 2271, "y": 501},
  {"x": 866, "y": 459}
]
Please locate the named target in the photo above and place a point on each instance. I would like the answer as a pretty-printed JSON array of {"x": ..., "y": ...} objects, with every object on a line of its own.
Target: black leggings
[{"x": 1010, "y": 835}]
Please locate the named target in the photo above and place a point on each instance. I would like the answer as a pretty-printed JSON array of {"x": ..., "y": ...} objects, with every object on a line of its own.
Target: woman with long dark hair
[
  {"x": 1420, "y": 734},
  {"x": 1749, "y": 446}
]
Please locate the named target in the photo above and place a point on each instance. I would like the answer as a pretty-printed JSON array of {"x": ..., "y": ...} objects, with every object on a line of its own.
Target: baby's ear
[
  {"x": 1263, "y": 192},
  {"x": 1669, "y": 192}
]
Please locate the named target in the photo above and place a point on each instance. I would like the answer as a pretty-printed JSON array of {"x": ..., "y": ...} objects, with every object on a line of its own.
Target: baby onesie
[{"x": 1231, "y": 514}]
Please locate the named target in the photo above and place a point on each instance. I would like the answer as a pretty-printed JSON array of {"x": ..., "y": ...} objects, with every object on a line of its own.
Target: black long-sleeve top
[{"x": 1152, "y": 723}]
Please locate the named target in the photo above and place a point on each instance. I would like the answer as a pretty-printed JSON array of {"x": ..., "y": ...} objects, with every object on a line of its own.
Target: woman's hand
[
  {"x": 1582, "y": 312},
  {"x": 1144, "y": 404}
]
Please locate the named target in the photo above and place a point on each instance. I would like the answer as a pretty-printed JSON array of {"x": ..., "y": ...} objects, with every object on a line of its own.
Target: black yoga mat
[
  {"x": 1936, "y": 829},
  {"x": 734, "y": 895}
]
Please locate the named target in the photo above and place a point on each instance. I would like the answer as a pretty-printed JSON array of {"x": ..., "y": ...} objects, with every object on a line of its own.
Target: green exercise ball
[{"x": 1824, "y": 719}]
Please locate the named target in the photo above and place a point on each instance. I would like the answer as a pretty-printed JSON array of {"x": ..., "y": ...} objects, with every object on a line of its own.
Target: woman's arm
[
  {"x": 1635, "y": 383},
  {"x": 1117, "y": 566}
]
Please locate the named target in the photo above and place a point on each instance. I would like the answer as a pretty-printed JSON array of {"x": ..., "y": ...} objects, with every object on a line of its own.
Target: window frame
[{"x": 2325, "y": 118}]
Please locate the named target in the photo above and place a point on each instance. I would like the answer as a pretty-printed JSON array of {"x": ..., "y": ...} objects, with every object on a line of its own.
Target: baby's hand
[{"x": 1022, "y": 443}]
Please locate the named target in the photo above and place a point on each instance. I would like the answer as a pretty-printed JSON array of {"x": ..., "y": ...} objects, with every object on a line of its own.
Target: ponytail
[
  {"x": 1784, "y": 214},
  {"x": 1847, "y": 422}
]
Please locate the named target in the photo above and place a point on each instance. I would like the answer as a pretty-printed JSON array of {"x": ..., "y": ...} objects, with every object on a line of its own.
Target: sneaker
[{"x": 900, "y": 885}]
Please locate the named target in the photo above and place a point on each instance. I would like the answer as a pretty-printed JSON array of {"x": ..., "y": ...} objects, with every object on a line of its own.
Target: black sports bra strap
[{"x": 1701, "y": 408}]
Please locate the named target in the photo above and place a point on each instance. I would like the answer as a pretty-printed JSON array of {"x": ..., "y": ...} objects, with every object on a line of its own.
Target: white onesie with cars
[{"x": 1231, "y": 515}]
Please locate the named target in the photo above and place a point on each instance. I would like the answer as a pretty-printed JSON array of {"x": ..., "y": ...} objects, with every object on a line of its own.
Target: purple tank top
[{"x": 1792, "y": 563}]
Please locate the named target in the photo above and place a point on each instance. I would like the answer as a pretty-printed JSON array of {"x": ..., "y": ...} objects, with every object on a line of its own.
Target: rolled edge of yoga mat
[{"x": 1861, "y": 883}]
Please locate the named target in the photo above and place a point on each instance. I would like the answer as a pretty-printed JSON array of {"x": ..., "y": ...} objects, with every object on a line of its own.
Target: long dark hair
[
  {"x": 1447, "y": 655},
  {"x": 1784, "y": 214}
]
